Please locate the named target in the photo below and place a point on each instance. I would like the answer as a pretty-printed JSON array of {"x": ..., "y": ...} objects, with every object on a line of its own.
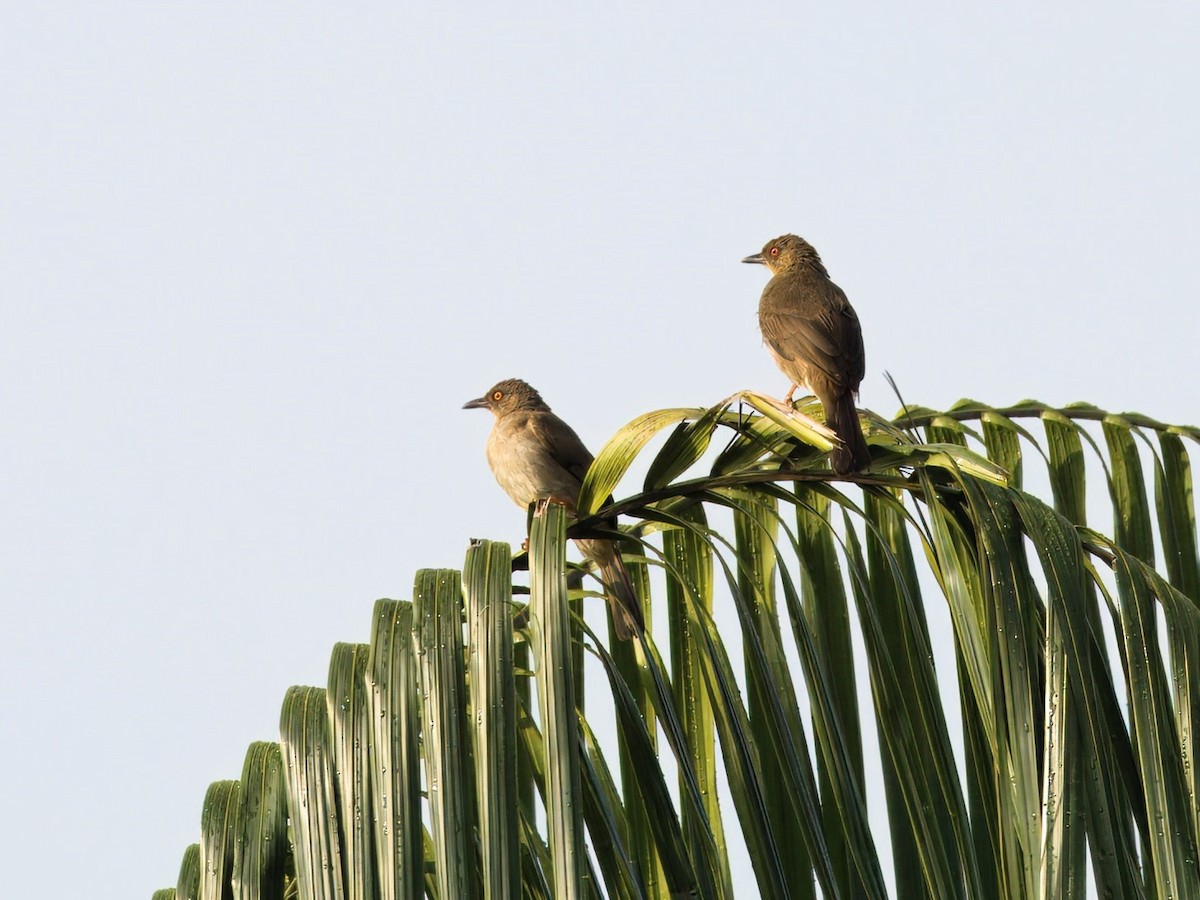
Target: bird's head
[
  {"x": 786, "y": 252},
  {"x": 507, "y": 396}
]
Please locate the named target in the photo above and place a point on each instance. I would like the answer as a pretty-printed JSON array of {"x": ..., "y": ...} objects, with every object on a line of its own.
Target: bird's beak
[
  {"x": 477, "y": 403},
  {"x": 756, "y": 258}
]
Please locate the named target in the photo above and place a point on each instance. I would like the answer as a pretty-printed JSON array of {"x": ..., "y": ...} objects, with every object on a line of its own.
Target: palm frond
[{"x": 1050, "y": 755}]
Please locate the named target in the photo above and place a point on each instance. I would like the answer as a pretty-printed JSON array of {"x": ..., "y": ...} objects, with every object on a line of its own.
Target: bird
[
  {"x": 815, "y": 338},
  {"x": 536, "y": 456}
]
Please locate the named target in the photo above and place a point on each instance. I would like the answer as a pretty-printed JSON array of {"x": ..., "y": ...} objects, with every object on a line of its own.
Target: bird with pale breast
[
  {"x": 813, "y": 334},
  {"x": 535, "y": 456}
]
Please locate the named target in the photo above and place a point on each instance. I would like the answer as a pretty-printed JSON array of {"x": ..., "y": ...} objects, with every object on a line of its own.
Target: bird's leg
[
  {"x": 790, "y": 410},
  {"x": 539, "y": 505},
  {"x": 791, "y": 390}
]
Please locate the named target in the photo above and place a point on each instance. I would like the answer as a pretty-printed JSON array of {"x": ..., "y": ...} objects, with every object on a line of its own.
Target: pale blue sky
[{"x": 257, "y": 255}]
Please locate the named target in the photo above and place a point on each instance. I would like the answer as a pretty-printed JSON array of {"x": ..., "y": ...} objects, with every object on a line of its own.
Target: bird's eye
[
  {"x": 774, "y": 251},
  {"x": 497, "y": 395}
]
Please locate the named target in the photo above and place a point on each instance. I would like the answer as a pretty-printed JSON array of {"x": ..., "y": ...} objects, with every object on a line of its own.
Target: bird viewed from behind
[
  {"x": 535, "y": 455},
  {"x": 813, "y": 333}
]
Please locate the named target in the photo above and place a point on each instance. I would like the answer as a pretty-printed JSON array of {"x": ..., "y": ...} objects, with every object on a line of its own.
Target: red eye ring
[{"x": 774, "y": 251}]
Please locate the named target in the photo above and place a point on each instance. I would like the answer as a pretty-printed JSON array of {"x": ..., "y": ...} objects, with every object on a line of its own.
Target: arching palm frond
[{"x": 925, "y": 680}]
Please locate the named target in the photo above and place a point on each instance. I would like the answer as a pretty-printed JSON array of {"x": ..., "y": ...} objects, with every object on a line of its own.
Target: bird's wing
[
  {"x": 822, "y": 330},
  {"x": 562, "y": 443},
  {"x": 565, "y": 448}
]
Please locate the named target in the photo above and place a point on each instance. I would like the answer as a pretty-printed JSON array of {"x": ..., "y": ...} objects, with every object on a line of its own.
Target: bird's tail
[
  {"x": 842, "y": 416},
  {"x": 618, "y": 588}
]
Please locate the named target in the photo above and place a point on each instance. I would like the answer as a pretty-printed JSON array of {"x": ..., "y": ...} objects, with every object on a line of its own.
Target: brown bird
[
  {"x": 535, "y": 455},
  {"x": 814, "y": 336}
]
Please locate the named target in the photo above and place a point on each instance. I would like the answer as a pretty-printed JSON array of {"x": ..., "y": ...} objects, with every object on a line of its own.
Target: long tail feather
[
  {"x": 842, "y": 416},
  {"x": 618, "y": 587},
  {"x": 622, "y": 600}
]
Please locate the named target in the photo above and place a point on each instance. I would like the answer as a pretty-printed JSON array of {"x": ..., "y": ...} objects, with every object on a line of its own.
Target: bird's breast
[{"x": 525, "y": 468}]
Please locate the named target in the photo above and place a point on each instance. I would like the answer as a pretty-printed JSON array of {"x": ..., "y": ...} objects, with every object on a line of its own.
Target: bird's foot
[
  {"x": 821, "y": 427},
  {"x": 758, "y": 401},
  {"x": 790, "y": 410},
  {"x": 539, "y": 506}
]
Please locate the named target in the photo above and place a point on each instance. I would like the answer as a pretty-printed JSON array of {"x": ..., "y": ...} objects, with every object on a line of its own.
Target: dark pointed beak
[
  {"x": 756, "y": 258},
  {"x": 477, "y": 403}
]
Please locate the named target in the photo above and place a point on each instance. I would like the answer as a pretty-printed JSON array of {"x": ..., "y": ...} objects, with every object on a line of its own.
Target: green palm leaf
[{"x": 426, "y": 767}]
